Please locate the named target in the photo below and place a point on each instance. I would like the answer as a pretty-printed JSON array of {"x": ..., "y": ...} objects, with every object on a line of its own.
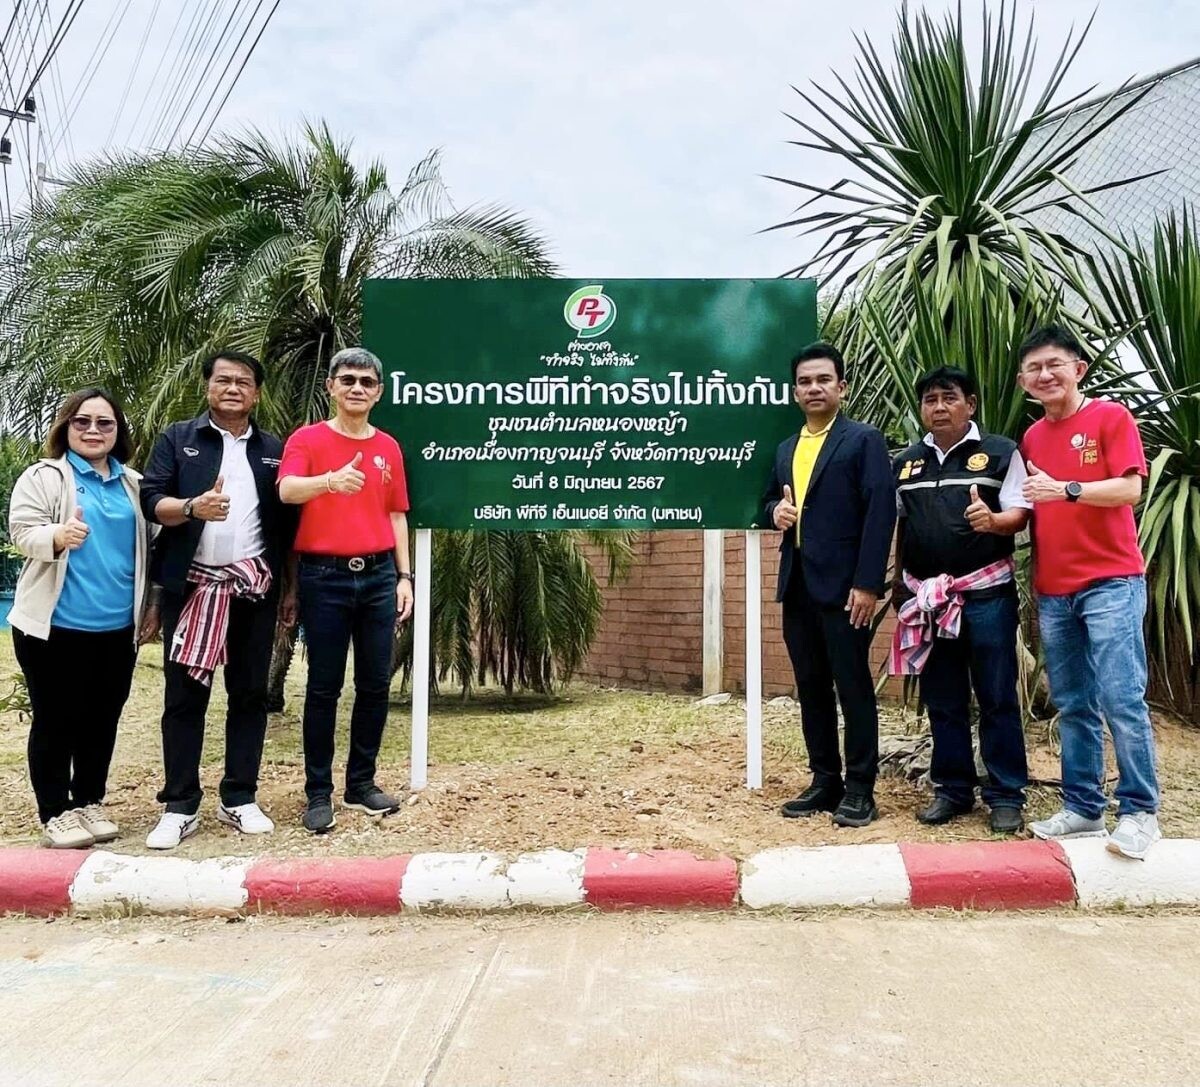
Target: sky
[{"x": 633, "y": 134}]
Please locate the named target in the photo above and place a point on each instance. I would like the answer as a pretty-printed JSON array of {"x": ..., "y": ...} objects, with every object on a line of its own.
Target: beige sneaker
[
  {"x": 96, "y": 823},
  {"x": 67, "y": 832}
]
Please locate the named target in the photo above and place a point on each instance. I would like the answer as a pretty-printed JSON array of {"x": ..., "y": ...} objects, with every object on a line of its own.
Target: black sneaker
[
  {"x": 814, "y": 799},
  {"x": 856, "y": 810},
  {"x": 372, "y": 800},
  {"x": 318, "y": 816}
]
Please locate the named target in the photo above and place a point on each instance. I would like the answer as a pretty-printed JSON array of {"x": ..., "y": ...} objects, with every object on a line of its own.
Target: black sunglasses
[
  {"x": 83, "y": 423},
  {"x": 348, "y": 381}
]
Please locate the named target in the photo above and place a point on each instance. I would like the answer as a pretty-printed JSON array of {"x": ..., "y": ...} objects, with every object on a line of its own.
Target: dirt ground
[{"x": 591, "y": 766}]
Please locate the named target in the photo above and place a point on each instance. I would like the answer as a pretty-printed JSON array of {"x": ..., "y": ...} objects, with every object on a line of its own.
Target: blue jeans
[
  {"x": 338, "y": 608},
  {"x": 1096, "y": 664},
  {"x": 983, "y": 657}
]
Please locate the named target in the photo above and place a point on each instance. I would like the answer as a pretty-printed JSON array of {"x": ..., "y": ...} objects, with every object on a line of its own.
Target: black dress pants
[
  {"x": 78, "y": 682},
  {"x": 829, "y": 655},
  {"x": 185, "y": 705}
]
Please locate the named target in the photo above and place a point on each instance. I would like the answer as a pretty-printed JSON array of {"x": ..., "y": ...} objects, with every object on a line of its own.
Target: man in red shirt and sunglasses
[{"x": 355, "y": 580}]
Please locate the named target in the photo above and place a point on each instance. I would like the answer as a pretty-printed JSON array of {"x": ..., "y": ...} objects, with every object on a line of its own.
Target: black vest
[{"x": 937, "y": 536}]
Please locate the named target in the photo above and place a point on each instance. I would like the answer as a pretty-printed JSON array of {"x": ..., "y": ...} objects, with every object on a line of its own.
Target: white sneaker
[
  {"x": 248, "y": 818},
  {"x": 66, "y": 832},
  {"x": 96, "y": 823},
  {"x": 1066, "y": 824},
  {"x": 1135, "y": 834},
  {"x": 172, "y": 829}
]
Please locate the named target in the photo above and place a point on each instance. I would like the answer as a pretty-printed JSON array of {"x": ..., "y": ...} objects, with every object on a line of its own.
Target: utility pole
[
  {"x": 28, "y": 114},
  {"x": 44, "y": 179}
]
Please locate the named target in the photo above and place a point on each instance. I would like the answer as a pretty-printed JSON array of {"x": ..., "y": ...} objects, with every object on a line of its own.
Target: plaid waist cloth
[
  {"x": 201, "y": 636},
  {"x": 935, "y": 610}
]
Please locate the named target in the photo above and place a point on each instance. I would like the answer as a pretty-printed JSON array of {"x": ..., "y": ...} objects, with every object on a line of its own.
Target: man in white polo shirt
[{"x": 210, "y": 482}]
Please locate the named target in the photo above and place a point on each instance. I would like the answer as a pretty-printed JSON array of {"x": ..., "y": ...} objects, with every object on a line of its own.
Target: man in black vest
[
  {"x": 832, "y": 498},
  {"x": 960, "y": 505}
]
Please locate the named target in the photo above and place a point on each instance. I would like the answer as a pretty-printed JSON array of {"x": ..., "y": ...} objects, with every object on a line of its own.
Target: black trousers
[
  {"x": 828, "y": 654},
  {"x": 185, "y": 705},
  {"x": 78, "y": 683}
]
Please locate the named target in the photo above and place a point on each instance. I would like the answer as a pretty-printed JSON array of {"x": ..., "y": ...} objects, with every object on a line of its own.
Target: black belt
[{"x": 355, "y": 564}]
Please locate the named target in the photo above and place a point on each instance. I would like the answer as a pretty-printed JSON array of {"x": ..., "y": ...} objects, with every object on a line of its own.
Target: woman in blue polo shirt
[{"x": 76, "y": 518}]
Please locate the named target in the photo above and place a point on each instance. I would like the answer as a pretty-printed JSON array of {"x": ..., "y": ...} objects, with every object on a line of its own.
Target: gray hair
[{"x": 355, "y": 358}]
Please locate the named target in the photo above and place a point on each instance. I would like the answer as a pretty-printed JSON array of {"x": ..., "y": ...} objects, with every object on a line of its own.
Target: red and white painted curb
[{"x": 981, "y": 875}]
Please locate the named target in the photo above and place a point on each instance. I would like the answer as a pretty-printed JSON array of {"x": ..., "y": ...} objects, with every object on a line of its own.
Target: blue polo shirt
[{"x": 97, "y": 593}]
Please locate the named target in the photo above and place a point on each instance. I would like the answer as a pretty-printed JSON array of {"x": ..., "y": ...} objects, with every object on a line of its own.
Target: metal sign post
[
  {"x": 419, "y": 759},
  {"x": 753, "y": 566}
]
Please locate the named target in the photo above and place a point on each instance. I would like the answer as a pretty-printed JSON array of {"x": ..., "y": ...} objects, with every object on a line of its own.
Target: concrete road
[{"x": 645, "y": 999}]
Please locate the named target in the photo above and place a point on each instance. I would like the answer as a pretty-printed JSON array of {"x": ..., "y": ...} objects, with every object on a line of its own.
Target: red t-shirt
[
  {"x": 347, "y": 524},
  {"x": 1075, "y": 544}
]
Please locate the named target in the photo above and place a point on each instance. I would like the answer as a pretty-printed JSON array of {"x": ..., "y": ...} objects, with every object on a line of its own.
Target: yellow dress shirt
[{"x": 803, "y": 460}]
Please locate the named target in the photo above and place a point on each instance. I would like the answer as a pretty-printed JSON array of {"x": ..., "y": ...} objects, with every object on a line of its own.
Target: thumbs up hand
[
  {"x": 347, "y": 479},
  {"x": 71, "y": 535},
  {"x": 213, "y": 504},
  {"x": 786, "y": 514},
  {"x": 979, "y": 515},
  {"x": 1039, "y": 487}
]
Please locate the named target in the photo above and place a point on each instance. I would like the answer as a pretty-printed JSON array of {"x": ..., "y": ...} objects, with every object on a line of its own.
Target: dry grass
[{"x": 591, "y": 767}]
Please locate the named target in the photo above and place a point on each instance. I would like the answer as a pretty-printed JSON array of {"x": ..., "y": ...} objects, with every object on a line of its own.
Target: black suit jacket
[
  {"x": 847, "y": 516},
  {"x": 184, "y": 463}
]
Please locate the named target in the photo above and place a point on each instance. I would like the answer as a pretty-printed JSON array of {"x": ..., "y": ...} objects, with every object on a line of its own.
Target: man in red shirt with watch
[
  {"x": 1086, "y": 465},
  {"x": 354, "y": 580}
]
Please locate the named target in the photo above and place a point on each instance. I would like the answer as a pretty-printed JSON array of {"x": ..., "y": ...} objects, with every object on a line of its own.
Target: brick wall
[{"x": 651, "y": 633}]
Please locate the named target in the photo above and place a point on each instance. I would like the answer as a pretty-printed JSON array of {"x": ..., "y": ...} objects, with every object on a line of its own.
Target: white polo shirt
[{"x": 239, "y": 536}]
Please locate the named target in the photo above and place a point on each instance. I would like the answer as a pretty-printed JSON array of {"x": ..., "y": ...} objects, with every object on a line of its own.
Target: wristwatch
[
  {"x": 404, "y": 575},
  {"x": 1073, "y": 490},
  {"x": 187, "y": 508}
]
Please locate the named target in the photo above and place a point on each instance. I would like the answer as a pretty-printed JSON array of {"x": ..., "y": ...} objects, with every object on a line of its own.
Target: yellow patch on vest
[
  {"x": 906, "y": 471},
  {"x": 976, "y": 462}
]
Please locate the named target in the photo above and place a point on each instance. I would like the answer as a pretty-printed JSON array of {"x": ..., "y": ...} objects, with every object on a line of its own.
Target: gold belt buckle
[{"x": 357, "y": 565}]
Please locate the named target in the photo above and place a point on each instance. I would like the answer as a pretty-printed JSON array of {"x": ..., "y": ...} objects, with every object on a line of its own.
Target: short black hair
[
  {"x": 1051, "y": 336},
  {"x": 57, "y": 443},
  {"x": 946, "y": 377},
  {"x": 820, "y": 350},
  {"x": 209, "y": 364}
]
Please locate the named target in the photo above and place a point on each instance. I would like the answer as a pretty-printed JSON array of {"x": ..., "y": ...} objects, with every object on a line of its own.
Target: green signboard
[{"x": 559, "y": 404}]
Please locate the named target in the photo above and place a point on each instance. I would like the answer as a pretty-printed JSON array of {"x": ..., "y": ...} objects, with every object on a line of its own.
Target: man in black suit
[{"x": 833, "y": 498}]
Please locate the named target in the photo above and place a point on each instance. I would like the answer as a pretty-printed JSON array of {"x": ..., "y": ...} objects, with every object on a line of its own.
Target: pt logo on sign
[{"x": 590, "y": 312}]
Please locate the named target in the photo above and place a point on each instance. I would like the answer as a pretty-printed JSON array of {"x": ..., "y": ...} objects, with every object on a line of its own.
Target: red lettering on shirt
[{"x": 1075, "y": 544}]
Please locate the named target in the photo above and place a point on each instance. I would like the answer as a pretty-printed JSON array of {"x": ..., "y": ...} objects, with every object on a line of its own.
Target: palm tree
[
  {"x": 949, "y": 161},
  {"x": 522, "y": 607},
  {"x": 1154, "y": 291},
  {"x": 144, "y": 264}
]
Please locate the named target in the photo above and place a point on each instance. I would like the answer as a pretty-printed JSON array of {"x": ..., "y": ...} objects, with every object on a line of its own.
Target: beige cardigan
[{"x": 42, "y": 499}]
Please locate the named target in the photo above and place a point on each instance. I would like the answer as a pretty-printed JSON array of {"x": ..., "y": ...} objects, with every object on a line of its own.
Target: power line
[
  {"x": 162, "y": 56},
  {"x": 198, "y": 43},
  {"x": 133, "y": 70},
  {"x": 65, "y": 24},
  {"x": 24, "y": 52},
  {"x": 177, "y": 69},
  {"x": 207, "y": 69},
  {"x": 56, "y": 88},
  {"x": 11, "y": 19},
  {"x": 92, "y": 66},
  {"x": 237, "y": 75}
]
